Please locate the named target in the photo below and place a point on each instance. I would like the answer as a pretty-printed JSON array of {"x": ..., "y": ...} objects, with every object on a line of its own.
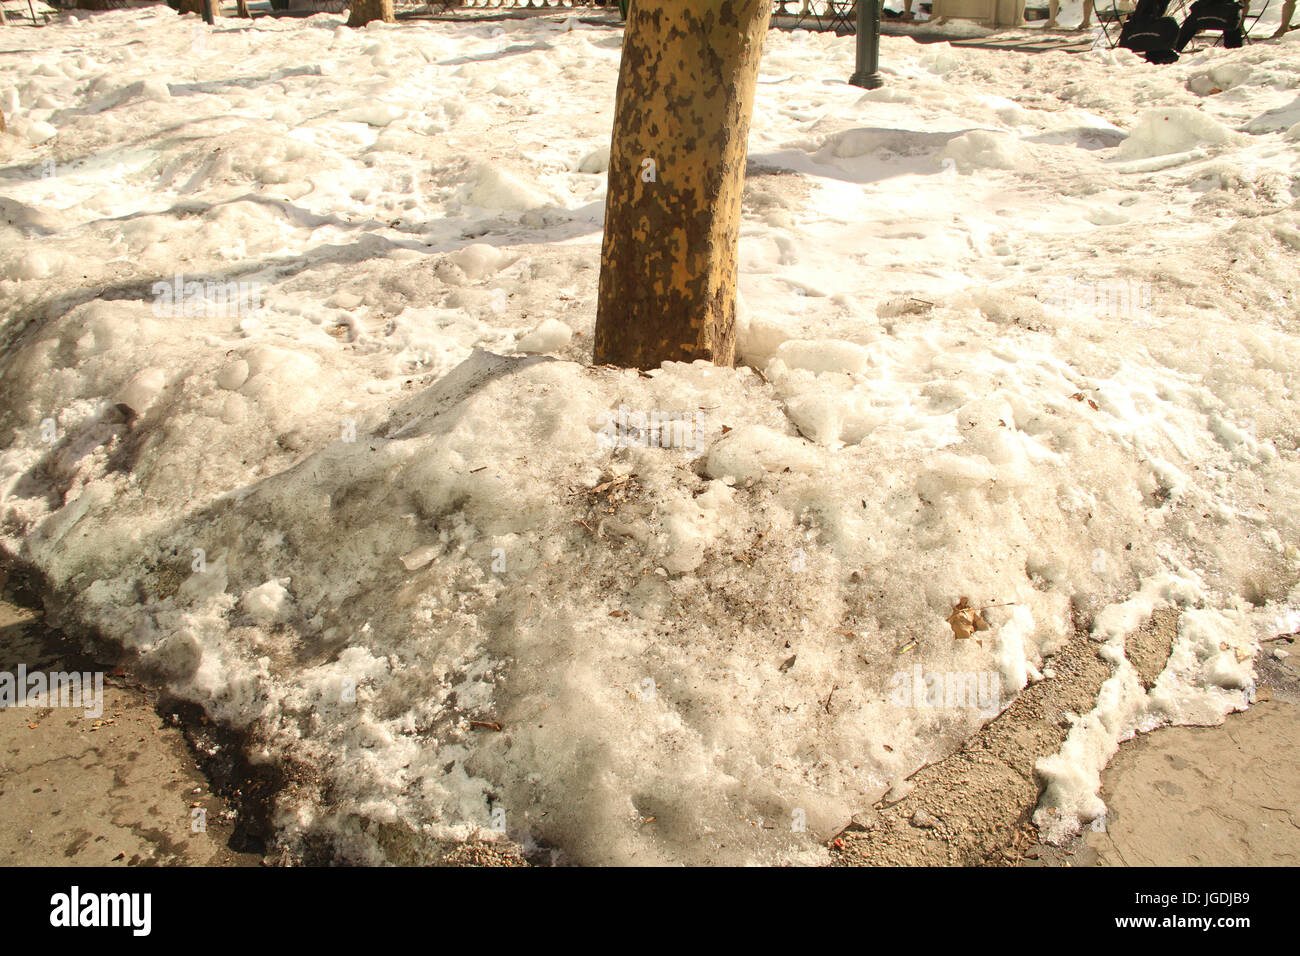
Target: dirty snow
[{"x": 298, "y": 412}]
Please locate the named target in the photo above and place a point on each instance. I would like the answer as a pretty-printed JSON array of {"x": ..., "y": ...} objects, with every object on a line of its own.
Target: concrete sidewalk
[{"x": 122, "y": 789}]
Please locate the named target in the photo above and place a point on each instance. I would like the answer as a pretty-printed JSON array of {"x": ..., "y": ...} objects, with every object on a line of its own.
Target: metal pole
[{"x": 868, "y": 75}]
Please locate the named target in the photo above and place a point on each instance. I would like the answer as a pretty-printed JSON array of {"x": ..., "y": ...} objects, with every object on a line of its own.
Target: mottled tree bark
[
  {"x": 363, "y": 11},
  {"x": 676, "y": 170}
]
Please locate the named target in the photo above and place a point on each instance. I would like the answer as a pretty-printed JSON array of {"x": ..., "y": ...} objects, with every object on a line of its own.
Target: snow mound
[
  {"x": 1173, "y": 130},
  {"x": 985, "y": 149},
  {"x": 637, "y": 617},
  {"x": 550, "y": 336},
  {"x": 495, "y": 188},
  {"x": 373, "y": 114},
  {"x": 597, "y": 161},
  {"x": 1274, "y": 120},
  {"x": 267, "y": 603},
  {"x": 478, "y": 260},
  {"x": 861, "y": 142}
]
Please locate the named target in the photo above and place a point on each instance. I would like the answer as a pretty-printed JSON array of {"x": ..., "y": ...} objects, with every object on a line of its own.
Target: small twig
[{"x": 488, "y": 724}]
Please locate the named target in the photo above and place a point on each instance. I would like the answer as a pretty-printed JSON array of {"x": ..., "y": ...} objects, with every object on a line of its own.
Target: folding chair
[
  {"x": 1114, "y": 14},
  {"x": 840, "y": 16},
  {"x": 1249, "y": 22}
]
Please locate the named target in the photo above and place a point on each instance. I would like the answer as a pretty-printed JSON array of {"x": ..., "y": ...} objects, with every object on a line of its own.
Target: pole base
[{"x": 868, "y": 81}]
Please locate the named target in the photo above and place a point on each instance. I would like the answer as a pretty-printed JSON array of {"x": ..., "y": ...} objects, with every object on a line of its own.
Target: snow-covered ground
[{"x": 1019, "y": 329}]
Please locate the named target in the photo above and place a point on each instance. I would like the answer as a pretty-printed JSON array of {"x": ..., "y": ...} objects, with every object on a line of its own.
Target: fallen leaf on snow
[{"x": 966, "y": 620}]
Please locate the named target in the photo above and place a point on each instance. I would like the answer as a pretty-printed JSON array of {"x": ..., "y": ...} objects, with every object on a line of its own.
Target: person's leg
[
  {"x": 907, "y": 10},
  {"x": 1288, "y": 9},
  {"x": 1087, "y": 15},
  {"x": 1053, "y": 8}
]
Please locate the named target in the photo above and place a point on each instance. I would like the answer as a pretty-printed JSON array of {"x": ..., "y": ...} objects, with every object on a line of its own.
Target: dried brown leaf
[{"x": 966, "y": 620}]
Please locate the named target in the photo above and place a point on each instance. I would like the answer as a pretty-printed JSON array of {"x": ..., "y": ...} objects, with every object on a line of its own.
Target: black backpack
[
  {"x": 1149, "y": 32},
  {"x": 1222, "y": 15}
]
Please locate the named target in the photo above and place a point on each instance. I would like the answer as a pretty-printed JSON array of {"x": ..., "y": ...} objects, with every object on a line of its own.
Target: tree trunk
[
  {"x": 676, "y": 170},
  {"x": 363, "y": 11}
]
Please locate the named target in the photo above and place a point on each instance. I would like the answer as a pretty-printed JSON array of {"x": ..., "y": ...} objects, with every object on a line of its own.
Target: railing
[
  {"x": 538, "y": 4},
  {"x": 811, "y": 14},
  {"x": 818, "y": 14}
]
